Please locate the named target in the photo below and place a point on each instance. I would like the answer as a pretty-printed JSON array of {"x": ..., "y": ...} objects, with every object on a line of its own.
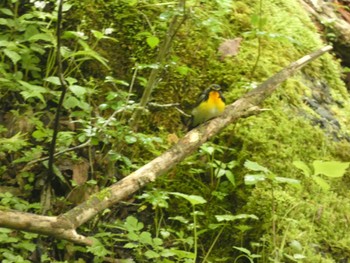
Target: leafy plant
[
  {"x": 330, "y": 169},
  {"x": 194, "y": 200},
  {"x": 246, "y": 254},
  {"x": 16, "y": 246},
  {"x": 260, "y": 174},
  {"x": 218, "y": 168},
  {"x": 146, "y": 247}
]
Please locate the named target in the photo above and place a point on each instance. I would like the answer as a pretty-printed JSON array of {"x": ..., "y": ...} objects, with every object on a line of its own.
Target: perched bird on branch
[{"x": 210, "y": 104}]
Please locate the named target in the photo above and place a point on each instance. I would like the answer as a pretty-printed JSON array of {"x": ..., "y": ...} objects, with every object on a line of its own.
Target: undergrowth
[{"x": 243, "y": 197}]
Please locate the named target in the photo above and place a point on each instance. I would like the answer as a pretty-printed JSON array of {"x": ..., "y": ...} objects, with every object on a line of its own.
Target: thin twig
[
  {"x": 64, "y": 89},
  {"x": 50, "y": 175},
  {"x": 61, "y": 152},
  {"x": 132, "y": 83},
  {"x": 169, "y": 105},
  {"x": 148, "y": 22},
  {"x": 259, "y": 41}
]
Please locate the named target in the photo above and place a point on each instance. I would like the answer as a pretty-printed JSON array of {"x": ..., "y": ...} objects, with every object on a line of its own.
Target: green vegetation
[{"x": 270, "y": 188}]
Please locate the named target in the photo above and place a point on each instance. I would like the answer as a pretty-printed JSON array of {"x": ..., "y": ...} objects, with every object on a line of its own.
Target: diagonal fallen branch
[{"x": 64, "y": 226}]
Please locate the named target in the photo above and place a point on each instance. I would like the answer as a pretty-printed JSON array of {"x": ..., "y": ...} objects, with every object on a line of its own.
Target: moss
[
  {"x": 273, "y": 136},
  {"x": 317, "y": 224},
  {"x": 285, "y": 132}
]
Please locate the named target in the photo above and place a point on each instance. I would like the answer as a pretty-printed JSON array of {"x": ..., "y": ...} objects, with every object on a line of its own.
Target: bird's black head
[{"x": 214, "y": 87}]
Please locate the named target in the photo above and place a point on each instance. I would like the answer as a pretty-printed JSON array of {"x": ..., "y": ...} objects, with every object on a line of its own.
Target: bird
[{"x": 210, "y": 104}]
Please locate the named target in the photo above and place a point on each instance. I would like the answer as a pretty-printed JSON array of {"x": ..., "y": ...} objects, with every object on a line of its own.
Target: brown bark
[
  {"x": 64, "y": 226},
  {"x": 330, "y": 13},
  {"x": 55, "y": 226}
]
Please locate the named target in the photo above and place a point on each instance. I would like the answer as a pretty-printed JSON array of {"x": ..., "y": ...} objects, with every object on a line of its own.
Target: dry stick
[
  {"x": 87, "y": 143},
  {"x": 45, "y": 225},
  {"x": 64, "y": 226}
]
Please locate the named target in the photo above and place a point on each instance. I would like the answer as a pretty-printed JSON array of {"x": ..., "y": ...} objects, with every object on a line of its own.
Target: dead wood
[{"x": 64, "y": 226}]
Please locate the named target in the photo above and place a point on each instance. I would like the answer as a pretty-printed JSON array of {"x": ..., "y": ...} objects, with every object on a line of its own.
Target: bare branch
[
  {"x": 47, "y": 225},
  {"x": 64, "y": 226},
  {"x": 246, "y": 106}
]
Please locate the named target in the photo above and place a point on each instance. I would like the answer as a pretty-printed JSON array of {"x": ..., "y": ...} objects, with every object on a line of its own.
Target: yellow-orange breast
[{"x": 208, "y": 109}]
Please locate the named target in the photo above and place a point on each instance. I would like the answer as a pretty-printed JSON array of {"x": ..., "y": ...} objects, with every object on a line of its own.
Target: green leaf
[
  {"x": 167, "y": 253},
  {"x": 6, "y": 230},
  {"x": 157, "y": 241},
  {"x": 54, "y": 80},
  {"x": 73, "y": 34},
  {"x": 287, "y": 180},
  {"x": 193, "y": 199},
  {"x": 43, "y": 37},
  {"x": 40, "y": 135},
  {"x": 4, "y": 43},
  {"x": 10, "y": 257},
  {"x": 32, "y": 91},
  {"x": 183, "y": 70},
  {"x": 130, "y": 139},
  {"x": 219, "y": 172},
  {"x": 33, "y": 94},
  {"x": 180, "y": 219},
  {"x": 253, "y": 166},
  {"x": 116, "y": 81},
  {"x": 71, "y": 102},
  {"x": 78, "y": 90},
  {"x": 133, "y": 236},
  {"x": 131, "y": 245},
  {"x": 230, "y": 177},
  {"x": 4, "y": 238},
  {"x": 321, "y": 182},
  {"x": 242, "y": 249},
  {"x": 13, "y": 144},
  {"x": 332, "y": 169},
  {"x": 6, "y": 22},
  {"x": 296, "y": 245},
  {"x": 143, "y": 66},
  {"x": 27, "y": 245},
  {"x": 152, "y": 41},
  {"x": 14, "y": 56},
  {"x": 207, "y": 149},
  {"x": 303, "y": 166},
  {"x": 146, "y": 238},
  {"x": 89, "y": 54},
  {"x": 229, "y": 217},
  {"x": 243, "y": 228},
  {"x": 151, "y": 254},
  {"x": 66, "y": 7},
  {"x": 6, "y": 11},
  {"x": 183, "y": 254},
  {"x": 250, "y": 179},
  {"x": 97, "y": 248},
  {"x": 132, "y": 224},
  {"x": 99, "y": 35}
]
